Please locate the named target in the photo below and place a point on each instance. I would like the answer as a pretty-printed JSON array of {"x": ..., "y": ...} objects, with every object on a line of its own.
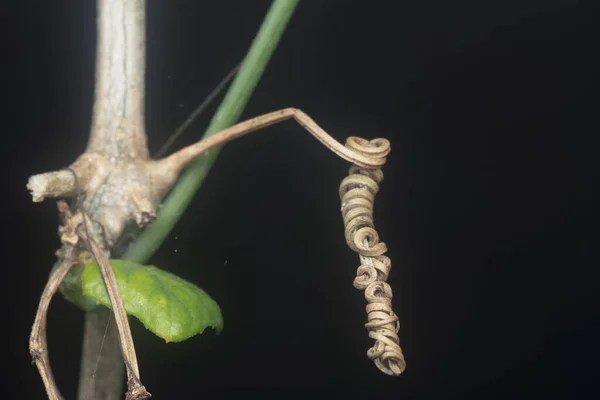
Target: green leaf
[
  {"x": 173, "y": 308},
  {"x": 72, "y": 288}
]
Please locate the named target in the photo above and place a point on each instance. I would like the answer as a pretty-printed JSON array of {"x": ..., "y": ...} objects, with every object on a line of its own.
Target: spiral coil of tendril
[{"x": 357, "y": 193}]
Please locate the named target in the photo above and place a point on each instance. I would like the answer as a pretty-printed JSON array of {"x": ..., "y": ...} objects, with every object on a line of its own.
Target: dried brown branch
[
  {"x": 75, "y": 238},
  {"x": 135, "y": 388},
  {"x": 171, "y": 166},
  {"x": 38, "y": 347}
]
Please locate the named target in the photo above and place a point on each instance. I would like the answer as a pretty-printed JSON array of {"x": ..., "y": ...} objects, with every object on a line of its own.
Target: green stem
[{"x": 228, "y": 113}]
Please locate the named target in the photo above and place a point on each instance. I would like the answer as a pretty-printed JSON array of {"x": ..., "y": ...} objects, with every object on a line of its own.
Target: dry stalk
[
  {"x": 75, "y": 241},
  {"x": 38, "y": 347},
  {"x": 135, "y": 389}
]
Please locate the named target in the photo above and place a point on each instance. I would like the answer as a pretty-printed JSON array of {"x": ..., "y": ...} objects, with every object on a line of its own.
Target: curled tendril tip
[{"x": 357, "y": 193}]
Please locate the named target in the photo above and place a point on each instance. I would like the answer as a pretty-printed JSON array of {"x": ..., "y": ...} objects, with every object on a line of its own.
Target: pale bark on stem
[
  {"x": 118, "y": 128},
  {"x": 51, "y": 184}
]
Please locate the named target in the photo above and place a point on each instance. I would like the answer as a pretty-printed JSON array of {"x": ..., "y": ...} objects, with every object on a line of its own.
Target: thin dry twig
[
  {"x": 73, "y": 233},
  {"x": 135, "y": 388},
  {"x": 38, "y": 347},
  {"x": 171, "y": 166}
]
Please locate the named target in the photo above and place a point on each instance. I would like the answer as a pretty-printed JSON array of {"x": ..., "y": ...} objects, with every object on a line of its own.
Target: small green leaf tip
[{"x": 171, "y": 307}]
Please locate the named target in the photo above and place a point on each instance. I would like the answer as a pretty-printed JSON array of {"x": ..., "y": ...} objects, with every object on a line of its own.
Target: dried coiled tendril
[{"x": 357, "y": 192}]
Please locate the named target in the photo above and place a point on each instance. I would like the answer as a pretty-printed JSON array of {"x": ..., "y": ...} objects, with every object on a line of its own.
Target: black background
[{"x": 485, "y": 205}]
